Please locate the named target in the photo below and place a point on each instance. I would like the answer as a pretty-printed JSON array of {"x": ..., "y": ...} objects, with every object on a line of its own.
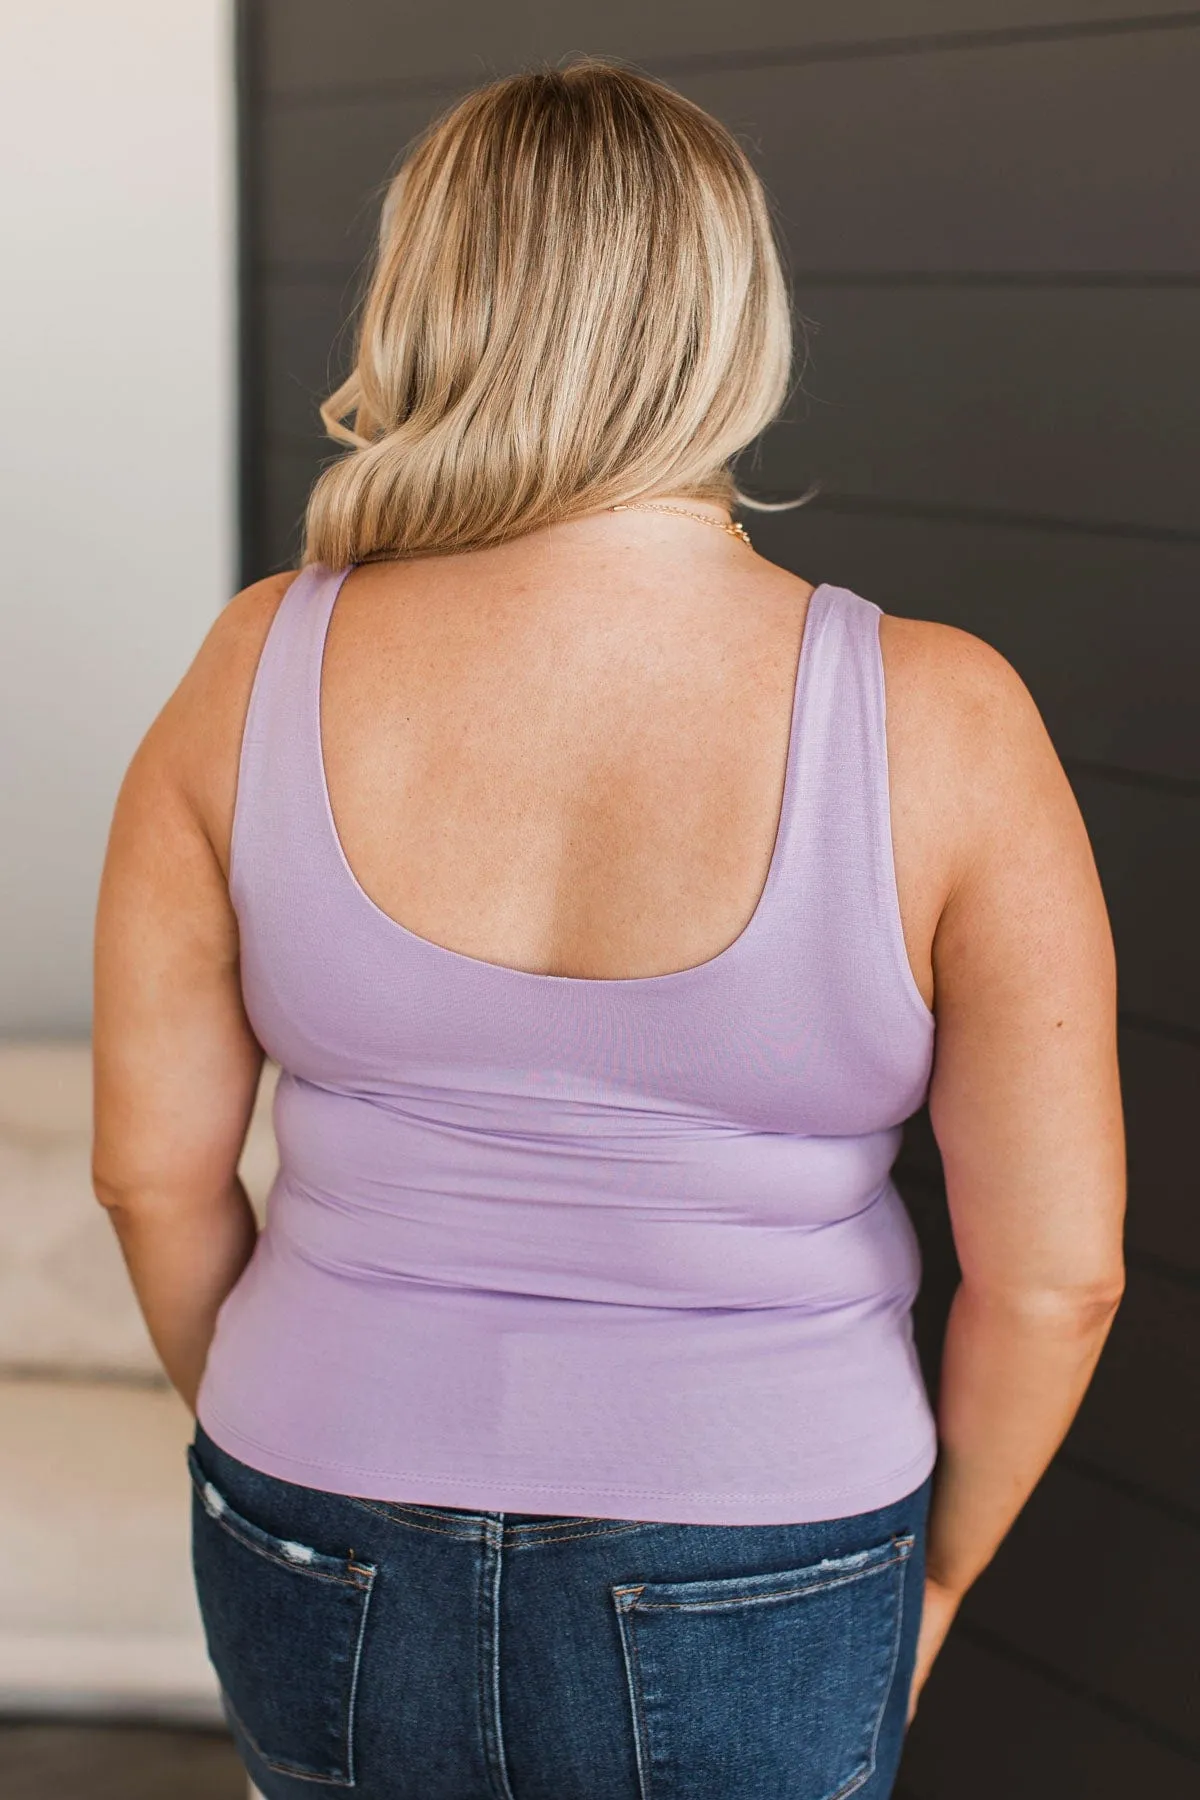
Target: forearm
[
  {"x": 183, "y": 1260},
  {"x": 1014, "y": 1371}
]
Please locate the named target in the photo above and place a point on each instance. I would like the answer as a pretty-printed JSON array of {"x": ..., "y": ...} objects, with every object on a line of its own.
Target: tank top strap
[
  {"x": 278, "y": 818},
  {"x": 837, "y": 894},
  {"x": 833, "y": 733},
  {"x": 843, "y": 785}
]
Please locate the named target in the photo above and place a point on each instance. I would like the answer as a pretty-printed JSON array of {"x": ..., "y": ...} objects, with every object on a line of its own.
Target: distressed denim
[{"x": 429, "y": 1653}]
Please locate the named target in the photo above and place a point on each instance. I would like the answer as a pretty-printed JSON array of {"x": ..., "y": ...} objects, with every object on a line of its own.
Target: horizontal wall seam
[
  {"x": 1146, "y": 1262},
  {"x": 1185, "y": 787},
  {"x": 1174, "y": 1029},
  {"x": 869, "y": 506},
  {"x": 449, "y": 82},
  {"x": 1087, "y": 1470},
  {"x": 1103, "y": 1702},
  {"x": 998, "y": 278}
]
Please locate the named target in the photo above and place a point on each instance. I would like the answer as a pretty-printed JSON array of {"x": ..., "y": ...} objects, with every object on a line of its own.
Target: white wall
[{"x": 117, "y": 467}]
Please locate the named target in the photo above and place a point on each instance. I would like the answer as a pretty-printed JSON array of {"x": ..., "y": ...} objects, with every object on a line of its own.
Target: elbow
[
  {"x": 113, "y": 1197},
  {"x": 1098, "y": 1303},
  {"x": 145, "y": 1195},
  {"x": 1104, "y": 1289},
  {"x": 1085, "y": 1306},
  {"x": 1114, "y": 1293},
  {"x": 118, "y": 1193}
]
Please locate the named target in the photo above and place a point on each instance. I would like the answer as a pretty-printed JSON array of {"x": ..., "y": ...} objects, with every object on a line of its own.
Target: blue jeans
[{"x": 429, "y": 1653}]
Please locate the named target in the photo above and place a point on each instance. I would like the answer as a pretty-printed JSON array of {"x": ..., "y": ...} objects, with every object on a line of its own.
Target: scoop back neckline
[{"x": 488, "y": 969}]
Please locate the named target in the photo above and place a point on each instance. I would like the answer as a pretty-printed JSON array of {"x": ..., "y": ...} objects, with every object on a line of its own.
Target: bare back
[{"x": 568, "y": 758}]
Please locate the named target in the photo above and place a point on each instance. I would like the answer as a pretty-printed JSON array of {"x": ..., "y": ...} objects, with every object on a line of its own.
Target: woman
[{"x": 561, "y": 1437}]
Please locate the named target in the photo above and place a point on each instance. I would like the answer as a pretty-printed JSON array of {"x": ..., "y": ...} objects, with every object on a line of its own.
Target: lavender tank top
[{"x": 613, "y": 1248}]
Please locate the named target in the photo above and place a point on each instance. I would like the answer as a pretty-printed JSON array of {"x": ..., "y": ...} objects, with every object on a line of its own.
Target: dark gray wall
[{"x": 990, "y": 208}]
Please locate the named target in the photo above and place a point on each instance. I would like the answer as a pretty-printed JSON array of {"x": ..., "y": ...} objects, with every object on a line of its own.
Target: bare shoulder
[
  {"x": 959, "y": 678},
  {"x": 195, "y": 741},
  {"x": 1023, "y": 927},
  {"x": 234, "y": 641},
  {"x": 964, "y": 733}
]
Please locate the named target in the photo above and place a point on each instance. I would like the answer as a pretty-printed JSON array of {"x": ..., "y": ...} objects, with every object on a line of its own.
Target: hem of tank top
[{"x": 865, "y": 1497}]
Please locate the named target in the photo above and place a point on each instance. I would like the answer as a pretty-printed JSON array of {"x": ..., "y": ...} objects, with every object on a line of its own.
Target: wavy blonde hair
[{"x": 576, "y": 300}]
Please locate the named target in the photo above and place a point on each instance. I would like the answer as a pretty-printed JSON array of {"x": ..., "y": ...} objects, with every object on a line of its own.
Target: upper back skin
[{"x": 573, "y": 765}]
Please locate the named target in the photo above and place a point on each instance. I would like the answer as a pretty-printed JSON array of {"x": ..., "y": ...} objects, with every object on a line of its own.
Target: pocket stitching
[
  {"x": 287, "y": 1562},
  {"x": 633, "y": 1679},
  {"x": 625, "y": 1599},
  {"x": 859, "y": 1780},
  {"x": 361, "y": 1579},
  {"x": 297, "y": 1771},
  {"x": 743, "y": 1599},
  {"x": 352, "y": 1700},
  {"x": 230, "y": 1520}
]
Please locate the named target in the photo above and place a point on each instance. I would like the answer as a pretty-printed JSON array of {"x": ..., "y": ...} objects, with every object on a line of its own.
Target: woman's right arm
[{"x": 1025, "y": 1104}]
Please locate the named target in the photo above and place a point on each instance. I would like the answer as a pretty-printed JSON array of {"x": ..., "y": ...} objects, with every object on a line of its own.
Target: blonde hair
[{"x": 576, "y": 300}]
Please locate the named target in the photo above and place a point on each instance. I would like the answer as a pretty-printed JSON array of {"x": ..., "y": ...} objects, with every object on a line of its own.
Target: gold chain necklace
[{"x": 730, "y": 527}]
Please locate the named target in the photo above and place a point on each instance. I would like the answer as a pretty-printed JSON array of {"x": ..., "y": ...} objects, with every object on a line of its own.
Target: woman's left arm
[{"x": 176, "y": 1064}]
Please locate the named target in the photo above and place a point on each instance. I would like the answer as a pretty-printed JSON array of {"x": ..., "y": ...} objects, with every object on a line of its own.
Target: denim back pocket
[
  {"x": 284, "y": 1624},
  {"x": 762, "y": 1685}
]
